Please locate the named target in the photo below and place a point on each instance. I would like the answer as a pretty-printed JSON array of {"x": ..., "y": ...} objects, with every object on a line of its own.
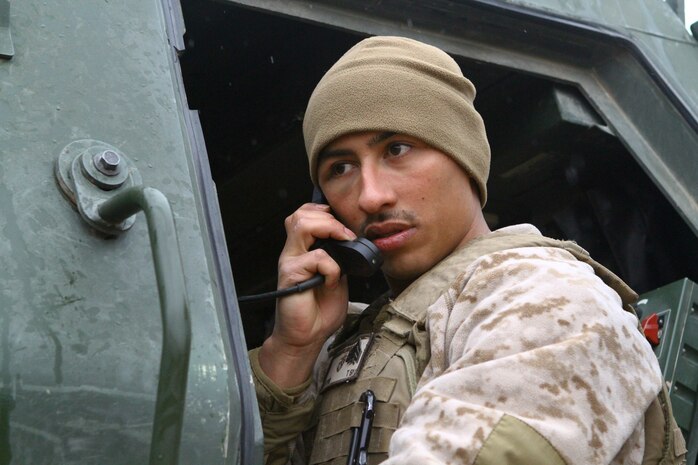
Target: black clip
[{"x": 361, "y": 435}]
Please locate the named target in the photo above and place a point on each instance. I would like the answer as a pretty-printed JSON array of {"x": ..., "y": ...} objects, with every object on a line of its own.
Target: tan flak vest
[{"x": 387, "y": 348}]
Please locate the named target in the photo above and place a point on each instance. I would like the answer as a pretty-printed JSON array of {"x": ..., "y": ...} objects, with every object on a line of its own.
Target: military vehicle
[{"x": 121, "y": 339}]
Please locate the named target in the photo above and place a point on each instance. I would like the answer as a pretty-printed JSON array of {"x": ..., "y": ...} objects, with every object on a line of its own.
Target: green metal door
[{"x": 108, "y": 316}]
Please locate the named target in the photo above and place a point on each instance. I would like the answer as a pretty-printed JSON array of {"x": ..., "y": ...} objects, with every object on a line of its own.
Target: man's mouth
[
  {"x": 390, "y": 235},
  {"x": 384, "y": 230}
]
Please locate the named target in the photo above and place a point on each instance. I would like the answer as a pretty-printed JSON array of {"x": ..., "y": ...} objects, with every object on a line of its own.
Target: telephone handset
[{"x": 359, "y": 257}]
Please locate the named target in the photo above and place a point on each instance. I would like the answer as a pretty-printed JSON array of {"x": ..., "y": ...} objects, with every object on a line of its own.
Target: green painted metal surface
[
  {"x": 80, "y": 327},
  {"x": 657, "y": 34},
  {"x": 677, "y": 351}
]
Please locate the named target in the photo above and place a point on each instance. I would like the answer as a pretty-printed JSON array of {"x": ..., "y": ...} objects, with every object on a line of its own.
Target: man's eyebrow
[
  {"x": 334, "y": 153},
  {"x": 378, "y": 138}
]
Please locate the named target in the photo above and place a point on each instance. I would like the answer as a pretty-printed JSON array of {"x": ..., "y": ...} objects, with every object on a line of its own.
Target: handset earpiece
[
  {"x": 318, "y": 196},
  {"x": 359, "y": 257}
]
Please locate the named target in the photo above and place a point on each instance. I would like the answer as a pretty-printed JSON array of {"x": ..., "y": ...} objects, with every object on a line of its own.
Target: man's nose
[{"x": 376, "y": 191}]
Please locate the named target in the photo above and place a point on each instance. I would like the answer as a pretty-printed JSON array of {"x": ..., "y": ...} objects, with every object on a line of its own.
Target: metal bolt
[{"x": 107, "y": 162}]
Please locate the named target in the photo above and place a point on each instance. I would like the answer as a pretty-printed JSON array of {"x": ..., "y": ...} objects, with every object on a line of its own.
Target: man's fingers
[
  {"x": 294, "y": 270},
  {"x": 315, "y": 206},
  {"x": 329, "y": 269},
  {"x": 308, "y": 224}
]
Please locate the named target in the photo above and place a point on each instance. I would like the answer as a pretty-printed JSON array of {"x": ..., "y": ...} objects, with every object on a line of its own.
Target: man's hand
[{"x": 304, "y": 321}]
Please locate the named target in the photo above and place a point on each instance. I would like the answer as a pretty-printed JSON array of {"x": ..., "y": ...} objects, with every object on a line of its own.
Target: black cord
[{"x": 300, "y": 287}]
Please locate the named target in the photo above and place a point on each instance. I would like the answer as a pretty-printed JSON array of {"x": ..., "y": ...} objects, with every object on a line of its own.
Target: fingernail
[{"x": 349, "y": 233}]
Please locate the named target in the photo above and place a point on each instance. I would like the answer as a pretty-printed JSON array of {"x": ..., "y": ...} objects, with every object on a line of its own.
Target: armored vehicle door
[{"x": 119, "y": 339}]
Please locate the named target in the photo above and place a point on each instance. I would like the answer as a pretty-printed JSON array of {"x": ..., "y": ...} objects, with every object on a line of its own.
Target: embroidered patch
[{"x": 346, "y": 365}]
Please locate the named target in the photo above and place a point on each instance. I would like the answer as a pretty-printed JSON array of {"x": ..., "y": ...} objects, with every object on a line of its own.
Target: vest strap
[
  {"x": 381, "y": 387},
  {"x": 386, "y": 416}
]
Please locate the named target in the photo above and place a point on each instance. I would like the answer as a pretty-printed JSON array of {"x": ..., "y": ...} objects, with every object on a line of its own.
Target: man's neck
[{"x": 479, "y": 229}]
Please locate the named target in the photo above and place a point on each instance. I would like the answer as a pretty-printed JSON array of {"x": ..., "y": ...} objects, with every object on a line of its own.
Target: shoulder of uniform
[{"x": 513, "y": 442}]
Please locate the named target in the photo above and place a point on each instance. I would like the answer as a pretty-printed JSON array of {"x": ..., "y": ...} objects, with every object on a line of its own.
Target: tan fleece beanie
[{"x": 399, "y": 85}]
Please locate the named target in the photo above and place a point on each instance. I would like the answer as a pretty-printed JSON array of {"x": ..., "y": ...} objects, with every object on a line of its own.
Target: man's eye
[
  {"x": 398, "y": 149},
  {"x": 338, "y": 169}
]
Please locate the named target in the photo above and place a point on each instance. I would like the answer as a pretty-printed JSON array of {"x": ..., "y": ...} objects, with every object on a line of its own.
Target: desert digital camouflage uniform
[{"x": 525, "y": 356}]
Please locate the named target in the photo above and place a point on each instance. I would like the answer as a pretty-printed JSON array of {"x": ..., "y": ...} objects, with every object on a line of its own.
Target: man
[{"x": 491, "y": 347}]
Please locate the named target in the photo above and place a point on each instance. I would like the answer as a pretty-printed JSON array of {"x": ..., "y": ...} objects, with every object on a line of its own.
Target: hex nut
[{"x": 107, "y": 162}]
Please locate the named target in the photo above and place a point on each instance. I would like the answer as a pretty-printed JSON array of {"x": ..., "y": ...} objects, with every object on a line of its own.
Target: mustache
[{"x": 398, "y": 215}]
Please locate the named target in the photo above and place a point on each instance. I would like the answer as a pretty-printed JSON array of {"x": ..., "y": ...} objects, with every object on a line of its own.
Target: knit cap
[{"x": 399, "y": 85}]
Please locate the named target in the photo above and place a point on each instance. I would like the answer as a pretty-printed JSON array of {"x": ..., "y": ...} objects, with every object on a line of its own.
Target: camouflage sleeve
[
  {"x": 285, "y": 413},
  {"x": 533, "y": 360}
]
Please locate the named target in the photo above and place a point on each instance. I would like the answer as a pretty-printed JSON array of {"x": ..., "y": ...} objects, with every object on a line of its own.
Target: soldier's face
[{"x": 413, "y": 201}]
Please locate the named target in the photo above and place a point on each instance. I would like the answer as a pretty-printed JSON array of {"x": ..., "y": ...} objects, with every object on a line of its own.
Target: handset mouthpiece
[{"x": 359, "y": 257}]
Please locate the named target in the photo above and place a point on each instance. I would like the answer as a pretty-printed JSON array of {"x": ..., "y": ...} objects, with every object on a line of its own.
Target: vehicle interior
[{"x": 556, "y": 162}]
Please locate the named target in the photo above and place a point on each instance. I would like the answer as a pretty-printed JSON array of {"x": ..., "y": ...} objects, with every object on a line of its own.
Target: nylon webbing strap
[
  {"x": 387, "y": 416},
  {"x": 381, "y": 387},
  {"x": 398, "y": 326},
  {"x": 337, "y": 446}
]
